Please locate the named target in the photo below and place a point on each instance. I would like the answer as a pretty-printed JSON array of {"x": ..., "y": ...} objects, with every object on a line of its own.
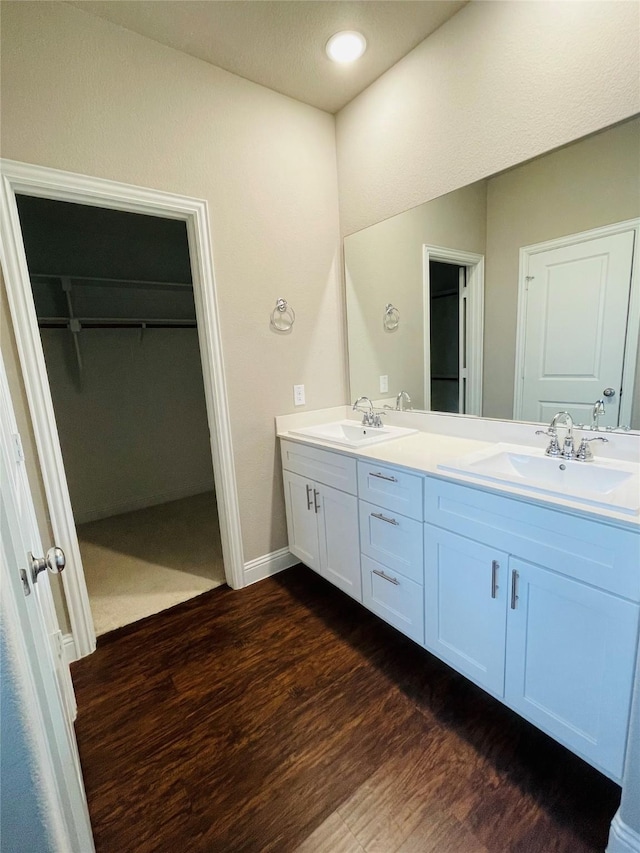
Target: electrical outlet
[
  {"x": 298, "y": 395},
  {"x": 384, "y": 384}
]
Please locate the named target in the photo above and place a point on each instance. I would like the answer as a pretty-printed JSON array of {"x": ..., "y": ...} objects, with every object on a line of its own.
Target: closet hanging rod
[
  {"x": 114, "y": 323},
  {"x": 114, "y": 282}
]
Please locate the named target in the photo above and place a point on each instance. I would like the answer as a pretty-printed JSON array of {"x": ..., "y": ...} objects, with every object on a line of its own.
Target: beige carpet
[{"x": 142, "y": 562}]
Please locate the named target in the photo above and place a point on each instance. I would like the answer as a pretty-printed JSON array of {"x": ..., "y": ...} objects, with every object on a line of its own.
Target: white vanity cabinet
[
  {"x": 538, "y": 606},
  {"x": 391, "y": 546},
  {"x": 320, "y": 490}
]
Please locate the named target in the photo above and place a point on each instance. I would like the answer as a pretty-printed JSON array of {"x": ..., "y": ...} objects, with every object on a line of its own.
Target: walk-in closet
[{"x": 115, "y": 307}]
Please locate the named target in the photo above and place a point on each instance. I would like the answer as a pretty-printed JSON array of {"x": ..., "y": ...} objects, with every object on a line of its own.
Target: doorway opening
[
  {"x": 115, "y": 306},
  {"x": 453, "y": 319},
  {"x": 447, "y": 312}
]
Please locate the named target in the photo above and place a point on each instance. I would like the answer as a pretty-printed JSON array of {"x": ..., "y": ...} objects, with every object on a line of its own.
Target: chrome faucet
[
  {"x": 402, "y": 398},
  {"x": 598, "y": 409},
  {"x": 582, "y": 454},
  {"x": 370, "y": 418},
  {"x": 567, "y": 451}
]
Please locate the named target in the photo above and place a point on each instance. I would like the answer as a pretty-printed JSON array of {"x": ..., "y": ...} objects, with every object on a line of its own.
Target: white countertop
[{"x": 424, "y": 451}]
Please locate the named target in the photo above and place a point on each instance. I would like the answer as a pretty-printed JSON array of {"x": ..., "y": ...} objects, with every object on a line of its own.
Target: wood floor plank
[
  {"x": 285, "y": 717},
  {"x": 332, "y": 836}
]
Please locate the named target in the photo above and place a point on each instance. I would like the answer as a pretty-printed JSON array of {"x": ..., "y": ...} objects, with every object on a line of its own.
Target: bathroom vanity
[{"x": 534, "y": 597}]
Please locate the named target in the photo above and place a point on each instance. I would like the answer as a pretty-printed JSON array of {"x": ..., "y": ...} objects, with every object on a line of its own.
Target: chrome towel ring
[
  {"x": 391, "y": 318},
  {"x": 283, "y": 316}
]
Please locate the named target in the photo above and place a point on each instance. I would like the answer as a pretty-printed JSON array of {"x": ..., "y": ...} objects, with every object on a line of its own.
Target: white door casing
[
  {"x": 471, "y": 324},
  {"x": 21, "y": 178},
  {"x": 577, "y": 328},
  {"x": 46, "y": 716}
]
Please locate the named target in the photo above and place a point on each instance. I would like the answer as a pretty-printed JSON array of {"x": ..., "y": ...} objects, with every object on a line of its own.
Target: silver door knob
[
  {"x": 609, "y": 392},
  {"x": 55, "y": 561}
]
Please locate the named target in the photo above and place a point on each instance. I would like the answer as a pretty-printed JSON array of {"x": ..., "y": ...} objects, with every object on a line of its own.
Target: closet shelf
[
  {"x": 114, "y": 323},
  {"x": 114, "y": 282},
  {"x": 444, "y": 293}
]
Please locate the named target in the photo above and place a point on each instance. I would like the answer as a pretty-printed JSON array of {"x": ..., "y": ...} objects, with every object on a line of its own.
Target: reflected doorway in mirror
[
  {"x": 577, "y": 328},
  {"x": 453, "y": 299}
]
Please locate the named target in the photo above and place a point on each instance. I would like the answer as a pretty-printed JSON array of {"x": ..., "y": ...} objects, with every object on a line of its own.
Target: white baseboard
[
  {"x": 69, "y": 648},
  {"x": 622, "y": 838},
  {"x": 267, "y": 565},
  {"x": 185, "y": 490}
]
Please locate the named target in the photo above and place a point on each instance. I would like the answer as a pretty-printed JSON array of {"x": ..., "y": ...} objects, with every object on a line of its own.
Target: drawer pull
[
  {"x": 495, "y": 565},
  {"x": 381, "y": 574},
  {"x": 315, "y": 500},
  {"x": 514, "y": 588},
  {"x": 383, "y": 477},
  {"x": 309, "y": 503},
  {"x": 384, "y": 518}
]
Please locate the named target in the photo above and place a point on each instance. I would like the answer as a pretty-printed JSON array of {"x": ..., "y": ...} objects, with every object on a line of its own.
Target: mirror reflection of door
[
  {"x": 573, "y": 327},
  {"x": 446, "y": 318}
]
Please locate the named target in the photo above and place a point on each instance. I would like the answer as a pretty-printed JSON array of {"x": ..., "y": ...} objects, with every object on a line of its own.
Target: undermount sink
[
  {"x": 602, "y": 482},
  {"x": 351, "y": 433}
]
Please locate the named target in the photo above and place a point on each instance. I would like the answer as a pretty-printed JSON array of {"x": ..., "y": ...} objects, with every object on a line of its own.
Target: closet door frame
[{"x": 26, "y": 179}]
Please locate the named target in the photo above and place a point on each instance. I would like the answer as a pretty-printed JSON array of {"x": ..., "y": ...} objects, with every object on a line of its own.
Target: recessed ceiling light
[{"x": 346, "y": 46}]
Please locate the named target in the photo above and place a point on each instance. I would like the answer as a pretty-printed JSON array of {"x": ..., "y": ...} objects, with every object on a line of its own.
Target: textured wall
[
  {"x": 499, "y": 83},
  {"x": 135, "y": 432},
  {"x": 82, "y": 94}
]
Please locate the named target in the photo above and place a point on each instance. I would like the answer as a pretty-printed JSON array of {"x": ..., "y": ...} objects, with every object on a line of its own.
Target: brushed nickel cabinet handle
[
  {"x": 495, "y": 565},
  {"x": 309, "y": 503},
  {"x": 380, "y": 574},
  {"x": 383, "y": 476},
  {"x": 315, "y": 500},
  {"x": 514, "y": 588},
  {"x": 384, "y": 518}
]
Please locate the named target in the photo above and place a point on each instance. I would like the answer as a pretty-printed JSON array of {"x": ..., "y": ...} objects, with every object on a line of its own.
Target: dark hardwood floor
[{"x": 286, "y": 717}]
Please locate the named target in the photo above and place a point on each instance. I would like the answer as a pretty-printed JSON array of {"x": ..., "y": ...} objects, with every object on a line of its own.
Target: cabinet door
[
  {"x": 302, "y": 525},
  {"x": 338, "y": 539},
  {"x": 466, "y": 606},
  {"x": 570, "y": 661}
]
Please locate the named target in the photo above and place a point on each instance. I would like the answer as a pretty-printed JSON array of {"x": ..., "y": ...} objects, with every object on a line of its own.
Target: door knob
[
  {"x": 55, "y": 561},
  {"x": 609, "y": 392}
]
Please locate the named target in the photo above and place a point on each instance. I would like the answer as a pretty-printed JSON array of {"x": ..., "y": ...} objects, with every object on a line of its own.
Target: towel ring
[
  {"x": 391, "y": 318},
  {"x": 283, "y": 316}
]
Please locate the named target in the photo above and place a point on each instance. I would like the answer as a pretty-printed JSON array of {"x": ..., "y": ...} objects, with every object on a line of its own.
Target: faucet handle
[
  {"x": 584, "y": 452},
  {"x": 553, "y": 448}
]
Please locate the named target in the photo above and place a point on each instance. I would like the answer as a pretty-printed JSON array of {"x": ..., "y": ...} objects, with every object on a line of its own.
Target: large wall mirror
[{"x": 513, "y": 297}]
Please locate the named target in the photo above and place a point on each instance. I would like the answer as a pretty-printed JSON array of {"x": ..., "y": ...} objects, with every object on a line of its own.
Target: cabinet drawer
[
  {"x": 394, "y": 598},
  {"x": 392, "y": 540},
  {"x": 391, "y": 488},
  {"x": 591, "y": 551},
  {"x": 323, "y": 466}
]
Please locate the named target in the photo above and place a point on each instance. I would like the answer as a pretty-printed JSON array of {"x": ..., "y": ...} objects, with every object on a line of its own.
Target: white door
[
  {"x": 302, "y": 526},
  {"x": 465, "y": 589},
  {"x": 338, "y": 539},
  {"x": 574, "y": 327},
  {"x": 56, "y": 749},
  {"x": 570, "y": 662}
]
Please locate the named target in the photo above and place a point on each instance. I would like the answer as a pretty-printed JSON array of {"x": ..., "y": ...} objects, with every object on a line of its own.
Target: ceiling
[{"x": 280, "y": 43}]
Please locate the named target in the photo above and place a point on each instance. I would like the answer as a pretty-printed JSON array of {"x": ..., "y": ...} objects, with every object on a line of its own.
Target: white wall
[
  {"x": 384, "y": 263},
  {"x": 82, "y": 94},
  {"x": 134, "y": 432},
  {"x": 497, "y": 84}
]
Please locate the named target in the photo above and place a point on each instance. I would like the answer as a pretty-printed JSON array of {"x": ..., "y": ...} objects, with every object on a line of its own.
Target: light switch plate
[{"x": 384, "y": 384}]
